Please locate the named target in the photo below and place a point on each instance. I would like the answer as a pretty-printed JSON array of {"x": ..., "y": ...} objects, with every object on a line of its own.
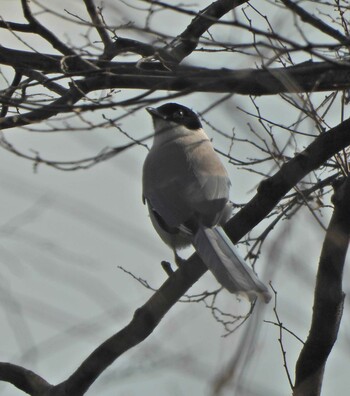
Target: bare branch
[
  {"x": 305, "y": 77},
  {"x": 328, "y": 298},
  {"x": 17, "y": 27},
  {"x": 316, "y": 22},
  {"x": 8, "y": 93},
  {"x": 98, "y": 23},
  {"x": 84, "y": 163},
  {"x": 141, "y": 326},
  {"x": 186, "y": 42},
  {"x": 38, "y": 28},
  {"x": 23, "y": 379},
  {"x": 302, "y": 78},
  {"x": 273, "y": 189},
  {"x": 80, "y": 77},
  {"x": 123, "y": 45}
]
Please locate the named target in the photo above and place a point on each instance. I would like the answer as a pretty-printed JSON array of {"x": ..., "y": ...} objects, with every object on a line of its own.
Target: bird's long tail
[{"x": 220, "y": 256}]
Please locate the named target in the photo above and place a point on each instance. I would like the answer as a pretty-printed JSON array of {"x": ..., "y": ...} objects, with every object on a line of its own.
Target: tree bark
[{"x": 328, "y": 299}]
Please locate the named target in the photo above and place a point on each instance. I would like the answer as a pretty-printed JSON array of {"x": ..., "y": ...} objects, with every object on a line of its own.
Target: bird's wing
[
  {"x": 211, "y": 191},
  {"x": 184, "y": 182},
  {"x": 166, "y": 174}
]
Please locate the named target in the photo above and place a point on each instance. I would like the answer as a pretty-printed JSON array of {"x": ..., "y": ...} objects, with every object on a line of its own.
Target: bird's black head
[{"x": 176, "y": 113}]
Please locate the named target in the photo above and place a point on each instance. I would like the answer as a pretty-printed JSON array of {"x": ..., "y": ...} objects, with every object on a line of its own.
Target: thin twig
[
  {"x": 280, "y": 339},
  {"x": 38, "y": 28},
  {"x": 98, "y": 23},
  {"x": 316, "y": 22}
]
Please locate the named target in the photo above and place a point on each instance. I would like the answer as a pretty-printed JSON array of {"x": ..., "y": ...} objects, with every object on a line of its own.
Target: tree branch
[
  {"x": 17, "y": 27},
  {"x": 46, "y": 34},
  {"x": 141, "y": 326},
  {"x": 123, "y": 45},
  {"x": 184, "y": 44},
  {"x": 310, "y": 77},
  {"x": 98, "y": 23},
  {"x": 61, "y": 104},
  {"x": 305, "y": 77},
  {"x": 328, "y": 298},
  {"x": 9, "y": 92},
  {"x": 273, "y": 189},
  {"x": 316, "y": 22},
  {"x": 23, "y": 379}
]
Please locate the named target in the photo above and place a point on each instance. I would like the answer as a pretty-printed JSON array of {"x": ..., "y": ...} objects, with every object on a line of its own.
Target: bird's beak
[{"x": 154, "y": 112}]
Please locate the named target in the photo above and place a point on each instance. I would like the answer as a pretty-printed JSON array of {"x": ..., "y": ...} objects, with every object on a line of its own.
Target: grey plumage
[{"x": 186, "y": 189}]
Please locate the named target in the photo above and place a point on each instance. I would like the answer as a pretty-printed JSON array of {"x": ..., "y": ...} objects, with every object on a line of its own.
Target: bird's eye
[{"x": 180, "y": 114}]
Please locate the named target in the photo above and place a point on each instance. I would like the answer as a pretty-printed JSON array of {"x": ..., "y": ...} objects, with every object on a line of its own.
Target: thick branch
[
  {"x": 9, "y": 92},
  {"x": 303, "y": 78},
  {"x": 17, "y": 27},
  {"x": 271, "y": 190},
  {"x": 141, "y": 326},
  {"x": 328, "y": 299},
  {"x": 306, "y": 77},
  {"x": 98, "y": 23},
  {"x": 23, "y": 379},
  {"x": 186, "y": 42}
]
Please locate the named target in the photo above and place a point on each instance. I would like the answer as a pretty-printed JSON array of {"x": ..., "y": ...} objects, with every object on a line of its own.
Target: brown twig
[
  {"x": 17, "y": 27},
  {"x": 280, "y": 338},
  {"x": 316, "y": 22},
  {"x": 98, "y": 23},
  {"x": 38, "y": 28}
]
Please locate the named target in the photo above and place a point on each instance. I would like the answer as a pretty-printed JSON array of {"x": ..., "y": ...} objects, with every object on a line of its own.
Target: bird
[{"x": 186, "y": 189}]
